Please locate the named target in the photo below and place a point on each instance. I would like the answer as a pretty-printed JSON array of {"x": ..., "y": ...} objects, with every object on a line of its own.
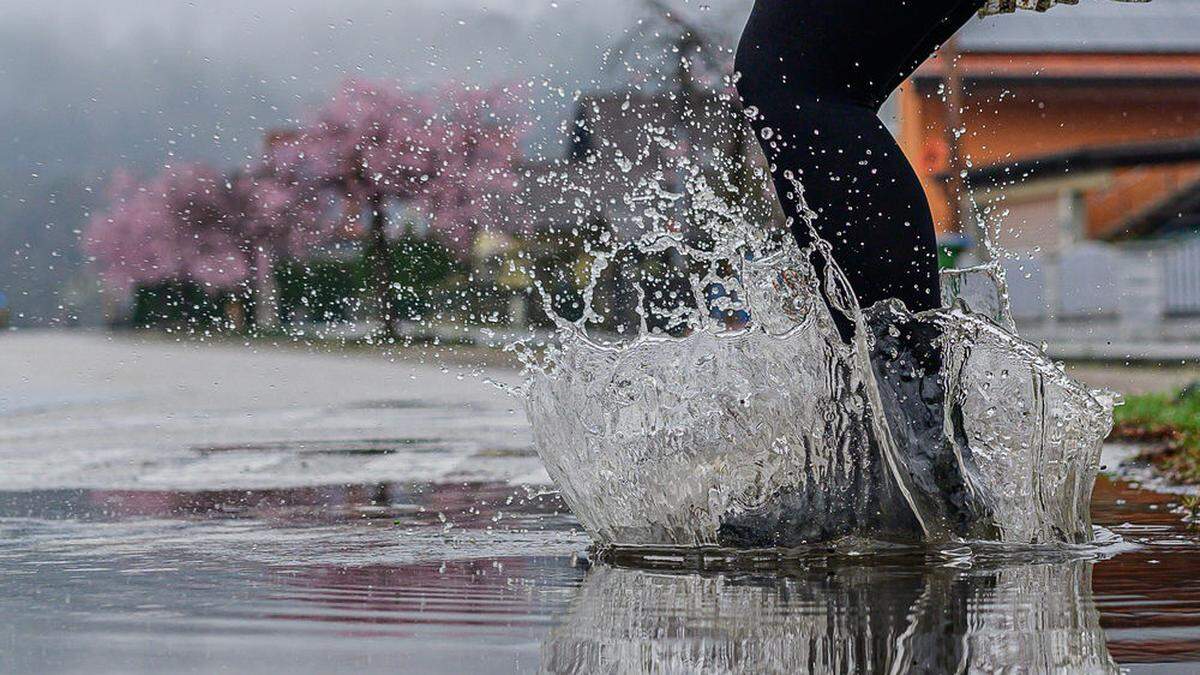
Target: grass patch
[{"x": 1170, "y": 425}]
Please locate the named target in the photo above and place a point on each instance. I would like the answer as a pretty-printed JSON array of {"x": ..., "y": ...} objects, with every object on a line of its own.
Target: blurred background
[
  {"x": 194, "y": 165},
  {"x": 225, "y": 167}
]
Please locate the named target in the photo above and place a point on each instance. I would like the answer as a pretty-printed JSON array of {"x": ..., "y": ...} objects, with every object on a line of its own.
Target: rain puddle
[{"x": 485, "y": 577}]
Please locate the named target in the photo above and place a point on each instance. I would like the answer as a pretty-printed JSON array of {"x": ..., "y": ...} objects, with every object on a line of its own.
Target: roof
[
  {"x": 1162, "y": 26},
  {"x": 1178, "y": 213},
  {"x": 1085, "y": 160}
]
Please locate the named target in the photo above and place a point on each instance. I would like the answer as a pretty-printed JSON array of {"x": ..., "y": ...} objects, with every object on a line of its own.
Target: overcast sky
[{"x": 138, "y": 78}]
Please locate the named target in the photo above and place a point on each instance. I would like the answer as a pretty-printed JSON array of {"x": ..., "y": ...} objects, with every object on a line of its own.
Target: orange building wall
[{"x": 1009, "y": 122}]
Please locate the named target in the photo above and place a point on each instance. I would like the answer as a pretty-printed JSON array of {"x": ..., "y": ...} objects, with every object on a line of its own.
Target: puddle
[{"x": 488, "y": 577}]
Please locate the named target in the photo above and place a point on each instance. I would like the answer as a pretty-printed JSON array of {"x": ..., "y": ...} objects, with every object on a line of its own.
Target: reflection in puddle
[
  {"x": 857, "y": 618},
  {"x": 463, "y": 505},
  {"x": 483, "y": 577},
  {"x": 368, "y": 446}
]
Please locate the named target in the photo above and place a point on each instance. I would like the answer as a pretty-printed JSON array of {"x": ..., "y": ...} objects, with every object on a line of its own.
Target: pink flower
[{"x": 450, "y": 156}]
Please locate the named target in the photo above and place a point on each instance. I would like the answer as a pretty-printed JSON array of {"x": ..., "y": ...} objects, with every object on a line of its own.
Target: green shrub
[
  {"x": 320, "y": 290},
  {"x": 1172, "y": 423},
  {"x": 176, "y": 304}
]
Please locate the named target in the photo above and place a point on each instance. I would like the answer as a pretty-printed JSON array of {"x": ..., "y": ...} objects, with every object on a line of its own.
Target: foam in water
[{"x": 937, "y": 427}]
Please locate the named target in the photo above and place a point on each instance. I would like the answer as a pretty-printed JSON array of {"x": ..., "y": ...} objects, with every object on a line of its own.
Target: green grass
[{"x": 1170, "y": 425}]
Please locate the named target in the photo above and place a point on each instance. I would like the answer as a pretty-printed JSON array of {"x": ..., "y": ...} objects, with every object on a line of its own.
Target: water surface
[
  {"x": 485, "y": 577},
  {"x": 183, "y": 508}
]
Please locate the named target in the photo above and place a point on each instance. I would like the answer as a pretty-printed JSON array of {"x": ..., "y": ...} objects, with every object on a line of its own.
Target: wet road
[
  {"x": 185, "y": 508},
  {"x": 131, "y": 412}
]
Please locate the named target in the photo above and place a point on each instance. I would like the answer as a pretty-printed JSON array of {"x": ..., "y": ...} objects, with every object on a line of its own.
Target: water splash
[{"x": 938, "y": 427}]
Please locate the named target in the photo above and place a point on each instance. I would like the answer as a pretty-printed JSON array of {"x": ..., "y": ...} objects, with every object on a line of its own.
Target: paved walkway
[
  {"x": 1135, "y": 379},
  {"x": 95, "y": 410}
]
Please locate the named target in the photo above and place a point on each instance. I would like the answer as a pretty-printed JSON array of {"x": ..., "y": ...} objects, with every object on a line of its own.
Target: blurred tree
[
  {"x": 321, "y": 290},
  {"x": 173, "y": 228},
  {"x": 191, "y": 224},
  {"x": 275, "y": 216},
  {"x": 418, "y": 266},
  {"x": 179, "y": 305},
  {"x": 448, "y": 159},
  {"x": 376, "y": 146}
]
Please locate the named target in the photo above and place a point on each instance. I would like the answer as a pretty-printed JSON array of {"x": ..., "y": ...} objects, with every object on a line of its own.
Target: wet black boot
[{"x": 907, "y": 360}]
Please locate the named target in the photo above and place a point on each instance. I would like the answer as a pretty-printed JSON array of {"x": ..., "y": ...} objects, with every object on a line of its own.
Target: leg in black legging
[
  {"x": 817, "y": 71},
  {"x": 943, "y": 31},
  {"x": 870, "y": 205}
]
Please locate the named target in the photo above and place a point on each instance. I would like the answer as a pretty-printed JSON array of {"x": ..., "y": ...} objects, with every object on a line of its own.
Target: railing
[
  {"x": 1078, "y": 284},
  {"x": 1181, "y": 271},
  {"x": 1110, "y": 300}
]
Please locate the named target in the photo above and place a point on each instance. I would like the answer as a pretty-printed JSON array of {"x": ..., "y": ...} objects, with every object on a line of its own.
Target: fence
[
  {"x": 1133, "y": 300},
  {"x": 1181, "y": 270}
]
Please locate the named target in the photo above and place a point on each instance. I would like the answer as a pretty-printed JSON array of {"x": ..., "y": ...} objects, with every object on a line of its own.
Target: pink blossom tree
[
  {"x": 475, "y": 166},
  {"x": 449, "y": 157},
  {"x": 273, "y": 215},
  {"x": 172, "y": 227},
  {"x": 192, "y": 223},
  {"x": 446, "y": 156}
]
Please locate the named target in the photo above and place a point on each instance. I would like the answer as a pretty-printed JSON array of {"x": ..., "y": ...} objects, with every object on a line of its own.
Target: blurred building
[
  {"x": 630, "y": 164},
  {"x": 619, "y": 143},
  {"x": 1080, "y": 145},
  {"x": 1088, "y": 117}
]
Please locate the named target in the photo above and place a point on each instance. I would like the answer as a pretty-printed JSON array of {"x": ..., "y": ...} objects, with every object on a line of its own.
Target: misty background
[{"x": 86, "y": 88}]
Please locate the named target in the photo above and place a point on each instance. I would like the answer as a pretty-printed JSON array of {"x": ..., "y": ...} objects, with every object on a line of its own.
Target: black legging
[{"x": 818, "y": 72}]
